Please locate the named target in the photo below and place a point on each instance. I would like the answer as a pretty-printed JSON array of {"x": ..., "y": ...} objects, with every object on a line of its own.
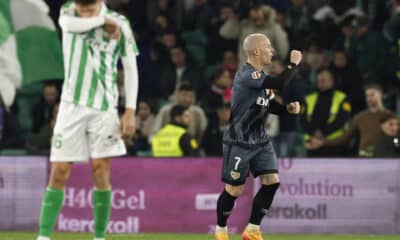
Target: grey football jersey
[{"x": 249, "y": 108}]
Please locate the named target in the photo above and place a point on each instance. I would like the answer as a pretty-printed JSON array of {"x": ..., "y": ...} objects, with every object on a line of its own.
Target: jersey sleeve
[
  {"x": 252, "y": 79},
  {"x": 128, "y": 43},
  {"x": 129, "y": 52},
  {"x": 69, "y": 22}
]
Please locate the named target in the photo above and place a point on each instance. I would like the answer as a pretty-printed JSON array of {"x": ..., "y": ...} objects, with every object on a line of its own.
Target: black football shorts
[{"x": 239, "y": 161}]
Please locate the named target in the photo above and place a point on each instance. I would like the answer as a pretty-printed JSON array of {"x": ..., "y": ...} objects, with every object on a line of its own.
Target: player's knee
[
  {"x": 234, "y": 191},
  {"x": 100, "y": 168},
  {"x": 269, "y": 179},
  {"x": 59, "y": 175}
]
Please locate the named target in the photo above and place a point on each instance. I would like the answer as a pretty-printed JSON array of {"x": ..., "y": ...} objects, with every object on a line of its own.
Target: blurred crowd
[{"x": 348, "y": 82}]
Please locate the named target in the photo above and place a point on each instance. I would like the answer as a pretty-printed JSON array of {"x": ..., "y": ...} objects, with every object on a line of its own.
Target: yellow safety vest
[
  {"x": 166, "y": 141},
  {"x": 311, "y": 101}
]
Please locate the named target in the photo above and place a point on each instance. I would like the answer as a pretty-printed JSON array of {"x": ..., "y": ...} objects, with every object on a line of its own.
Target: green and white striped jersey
[{"x": 90, "y": 61}]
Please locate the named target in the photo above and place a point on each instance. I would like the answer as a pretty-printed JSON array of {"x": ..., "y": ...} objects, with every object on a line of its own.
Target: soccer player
[
  {"x": 247, "y": 146},
  {"x": 87, "y": 126}
]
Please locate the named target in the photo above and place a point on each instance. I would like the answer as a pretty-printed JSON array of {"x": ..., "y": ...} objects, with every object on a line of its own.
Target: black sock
[
  {"x": 224, "y": 207},
  {"x": 262, "y": 202}
]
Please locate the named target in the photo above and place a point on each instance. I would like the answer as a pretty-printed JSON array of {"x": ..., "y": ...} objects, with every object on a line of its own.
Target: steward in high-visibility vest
[
  {"x": 326, "y": 111},
  {"x": 173, "y": 140}
]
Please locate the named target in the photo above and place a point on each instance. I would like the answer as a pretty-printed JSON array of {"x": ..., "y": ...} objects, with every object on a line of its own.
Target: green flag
[{"x": 30, "y": 49}]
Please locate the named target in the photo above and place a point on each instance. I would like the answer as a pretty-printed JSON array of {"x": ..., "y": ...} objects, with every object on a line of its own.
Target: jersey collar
[{"x": 248, "y": 65}]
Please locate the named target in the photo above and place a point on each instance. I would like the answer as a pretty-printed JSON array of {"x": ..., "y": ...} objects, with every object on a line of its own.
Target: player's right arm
[
  {"x": 69, "y": 22},
  {"x": 265, "y": 81},
  {"x": 280, "y": 81}
]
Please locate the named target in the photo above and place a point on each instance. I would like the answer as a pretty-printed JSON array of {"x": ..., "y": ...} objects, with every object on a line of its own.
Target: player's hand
[
  {"x": 293, "y": 107},
  {"x": 128, "y": 123},
  {"x": 112, "y": 28},
  {"x": 295, "y": 56}
]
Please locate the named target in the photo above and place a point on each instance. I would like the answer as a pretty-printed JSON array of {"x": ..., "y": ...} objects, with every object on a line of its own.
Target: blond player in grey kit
[
  {"x": 246, "y": 144},
  {"x": 87, "y": 126}
]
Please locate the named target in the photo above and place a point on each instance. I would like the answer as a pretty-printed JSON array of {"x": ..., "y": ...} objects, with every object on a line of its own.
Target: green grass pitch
[{"x": 65, "y": 236}]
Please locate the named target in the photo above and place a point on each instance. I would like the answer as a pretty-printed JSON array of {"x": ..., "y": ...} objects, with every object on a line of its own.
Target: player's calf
[
  {"x": 225, "y": 204},
  {"x": 101, "y": 196},
  {"x": 53, "y": 199},
  {"x": 262, "y": 202},
  {"x": 101, "y": 174}
]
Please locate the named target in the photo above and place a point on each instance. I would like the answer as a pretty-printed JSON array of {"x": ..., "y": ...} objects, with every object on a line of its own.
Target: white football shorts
[{"x": 83, "y": 133}]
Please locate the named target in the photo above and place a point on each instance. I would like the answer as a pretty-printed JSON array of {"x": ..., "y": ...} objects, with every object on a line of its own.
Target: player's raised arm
[
  {"x": 278, "y": 82},
  {"x": 79, "y": 24},
  {"x": 78, "y": 17},
  {"x": 129, "y": 52}
]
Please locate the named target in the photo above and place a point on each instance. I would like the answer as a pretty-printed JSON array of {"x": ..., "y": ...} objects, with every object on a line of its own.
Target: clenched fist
[
  {"x": 295, "y": 57},
  {"x": 293, "y": 108}
]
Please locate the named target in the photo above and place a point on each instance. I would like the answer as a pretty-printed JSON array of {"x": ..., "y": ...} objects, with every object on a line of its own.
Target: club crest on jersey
[
  {"x": 235, "y": 175},
  {"x": 256, "y": 75}
]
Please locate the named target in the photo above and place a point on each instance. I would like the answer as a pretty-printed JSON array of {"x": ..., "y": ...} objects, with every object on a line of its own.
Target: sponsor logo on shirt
[{"x": 262, "y": 101}]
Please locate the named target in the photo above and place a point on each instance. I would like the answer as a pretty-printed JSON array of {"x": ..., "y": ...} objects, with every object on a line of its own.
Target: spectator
[
  {"x": 173, "y": 140},
  {"x": 376, "y": 10},
  {"x": 40, "y": 143},
  {"x": 166, "y": 41},
  {"x": 298, "y": 23},
  {"x": 315, "y": 58},
  {"x": 150, "y": 75},
  {"x": 391, "y": 29},
  {"x": 216, "y": 44},
  {"x": 391, "y": 32},
  {"x": 326, "y": 112},
  {"x": 185, "y": 96},
  {"x": 181, "y": 69},
  {"x": 212, "y": 140},
  {"x": 161, "y": 24},
  {"x": 294, "y": 91},
  {"x": 369, "y": 51},
  {"x": 262, "y": 20},
  {"x": 144, "y": 125},
  {"x": 345, "y": 38},
  {"x": 365, "y": 124},
  {"x": 10, "y": 133},
  {"x": 218, "y": 92},
  {"x": 43, "y": 110},
  {"x": 328, "y": 18},
  {"x": 388, "y": 145},
  {"x": 170, "y": 9},
  {"x": 198, "y": 16},
  {"x": 229, "y": 62},
  {"x": 348, "y": 80}
]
